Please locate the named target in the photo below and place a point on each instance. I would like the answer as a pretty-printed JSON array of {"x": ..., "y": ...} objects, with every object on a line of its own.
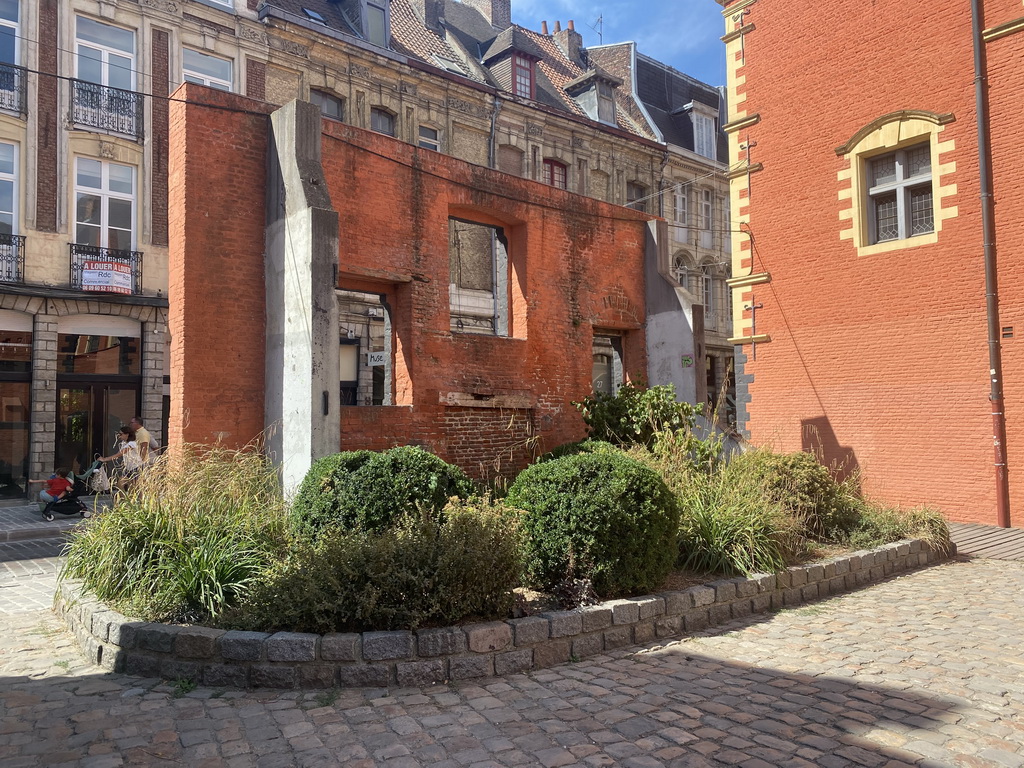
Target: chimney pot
[
  {"x": 558, "y": 27},
  {"x": 543, "y": 27},
  {"x": 572, "y": 25}
]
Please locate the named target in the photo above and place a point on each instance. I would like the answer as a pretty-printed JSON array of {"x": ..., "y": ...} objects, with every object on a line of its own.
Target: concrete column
[
  {"x": 302, "y": 413},
  {"x": 44, "y": 395}
]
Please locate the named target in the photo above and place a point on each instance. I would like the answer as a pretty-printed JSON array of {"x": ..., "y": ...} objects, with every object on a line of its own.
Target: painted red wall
[
  {"x": 576, "y": 265},
  {"x": 880, "y": 361}
]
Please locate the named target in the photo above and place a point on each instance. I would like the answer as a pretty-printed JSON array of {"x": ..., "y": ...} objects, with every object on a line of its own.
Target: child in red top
[{"x": 57, "y": 487}]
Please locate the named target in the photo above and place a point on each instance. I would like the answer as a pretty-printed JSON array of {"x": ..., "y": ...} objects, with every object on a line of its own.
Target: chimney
[
  {"x": 429, "y": 11},
  {"x": 497, "y": 12},
  {"x": 558, "y": 27},
  {"x": 544, "y": 28},
  {"x": 570, "y": 41}
]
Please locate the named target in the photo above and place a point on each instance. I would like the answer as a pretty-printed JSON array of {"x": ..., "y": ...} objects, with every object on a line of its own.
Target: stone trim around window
[
  {"x": 236, "y": 659},
  {"x": 889, "y": 133}
]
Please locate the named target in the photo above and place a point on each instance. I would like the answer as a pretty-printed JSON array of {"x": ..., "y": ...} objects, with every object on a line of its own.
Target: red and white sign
[{"x": 107, "y": 276}]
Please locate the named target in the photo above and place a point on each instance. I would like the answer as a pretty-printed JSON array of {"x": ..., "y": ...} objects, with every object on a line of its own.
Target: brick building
[
  {"x": 84, "y": 117},
  {"x": 482, "y": 383},
  {"x": 859, "y": 279}
]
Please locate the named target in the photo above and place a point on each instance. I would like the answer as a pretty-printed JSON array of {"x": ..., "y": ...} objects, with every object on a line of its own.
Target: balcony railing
[
  {"x": 110, "y": 109},
  {"x": 105, "y": 269},
  {"x": 12, "y": 258},
  {"x": 13, "y": 83}
]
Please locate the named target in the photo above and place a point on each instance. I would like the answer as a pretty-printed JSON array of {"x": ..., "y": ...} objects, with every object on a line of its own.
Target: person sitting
[{"x": 57, "y": 486}]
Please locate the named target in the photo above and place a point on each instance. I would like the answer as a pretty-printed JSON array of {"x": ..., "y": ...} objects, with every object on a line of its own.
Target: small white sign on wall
[{"x": 375, "y": 358}]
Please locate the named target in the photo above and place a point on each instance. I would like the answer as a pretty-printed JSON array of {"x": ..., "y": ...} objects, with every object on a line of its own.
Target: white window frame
[
  {"x": 15, "y": 27},
  {"x": 12, "y": 178},
  {"x": 426, "y": 142},
  {"x": 707, "y": 209},
  {"x": 708, "y": 297},
  {"x": 902, "y": 188},
  {"x": 194, "y": 76},
  {"x": 105, "y": 52},
  {"x": 680, "y": 207},
  {"x": 106, "y": 194}
]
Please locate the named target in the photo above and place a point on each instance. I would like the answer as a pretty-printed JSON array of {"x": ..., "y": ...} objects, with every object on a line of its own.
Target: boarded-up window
[
  {"x": 510, "y": 160},
  {"x": 478, "y": 280}
]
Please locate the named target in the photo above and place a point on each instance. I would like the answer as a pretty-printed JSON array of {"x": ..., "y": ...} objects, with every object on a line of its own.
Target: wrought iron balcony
[
  {"x": 110, "y": 109},
  {"x": 13, "y": 83},
  {"x": 12, "y": 258},
  {"x": 106, "y": 269}
]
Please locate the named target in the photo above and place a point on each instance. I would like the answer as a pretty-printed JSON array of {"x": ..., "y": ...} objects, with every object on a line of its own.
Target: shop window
[
  {"x": 478, "y": 285},
  {"x": 93, "y": 354},
  {"x": 366, "y": 349}
]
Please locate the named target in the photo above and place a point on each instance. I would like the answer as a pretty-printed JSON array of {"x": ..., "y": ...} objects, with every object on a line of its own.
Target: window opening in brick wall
[
  {"x": 900, "y": 194},
  {"x": 365, "y": 335},
  {"x": 478, "y": 284},
  {"x": 607, "y": 372}
]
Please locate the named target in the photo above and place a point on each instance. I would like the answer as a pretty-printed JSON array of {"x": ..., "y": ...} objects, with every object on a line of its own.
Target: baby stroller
[{"x": 71, "y": 504}]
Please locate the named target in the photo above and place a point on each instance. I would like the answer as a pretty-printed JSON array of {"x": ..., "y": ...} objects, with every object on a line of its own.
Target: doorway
[{"x": 88, "y": 417}]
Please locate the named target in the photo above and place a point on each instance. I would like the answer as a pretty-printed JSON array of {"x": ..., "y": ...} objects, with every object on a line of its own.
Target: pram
[{"x": 71, "y": 504}]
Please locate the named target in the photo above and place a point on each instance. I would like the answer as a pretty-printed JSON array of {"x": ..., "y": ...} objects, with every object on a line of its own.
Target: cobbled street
[{"x": 925, "y": 669}]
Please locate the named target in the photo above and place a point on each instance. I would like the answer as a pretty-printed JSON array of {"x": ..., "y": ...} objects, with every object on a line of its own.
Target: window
[
  {"x": 478, "y": 285},
  {"x": 681, "y": 271},
  {"x": 605, "y": 103},
  {"x": 377, "y": 24},
  {"x": 708, "y": 297},
  {"x": 704, "y": 143},
  {"x": 522, "y": 76},
  {"x": 204, "y": 69},
  {"x": 315, "y": 17},
  {"x": 104, "y": 204},
  {"x": 900, "y": 194},
  {"x": 636, "y": 196},
  {"x": 104, "y": 55},
  {"x": 430, "y": 138},
  {"x": 606, "y": 376},
  {"x": 555, "y": 173},
  {"x": 382, "y": 121},
  {"x": 330, "y": 106},
  {"x": 12, "y": 78},
  {"x": 679, "y": 207},
  {"x": 8, "y": 191},
  {"x": 706, "y": 209}
]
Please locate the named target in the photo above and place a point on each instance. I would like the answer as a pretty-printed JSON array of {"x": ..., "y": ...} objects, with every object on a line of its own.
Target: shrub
[
  {"x": 367, "y": 490},
  {"x": 634, "y": 415},
  {"x": 425, "y": 569},
  {"x": 189, "y": 541},
  {"x": 804, "y": 487},
  {"x": 602, "y": 516},
  {"x": 878, "y": 525},
  {"x": 729, "y": 525},
  {"x": 580, "y": 446}
]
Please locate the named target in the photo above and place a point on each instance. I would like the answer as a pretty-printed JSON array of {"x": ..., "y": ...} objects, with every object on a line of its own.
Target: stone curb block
[{"x": 237, "y": 659}]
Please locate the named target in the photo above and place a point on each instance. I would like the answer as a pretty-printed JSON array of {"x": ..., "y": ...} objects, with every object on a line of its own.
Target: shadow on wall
[{"x": 818, "y": 437}]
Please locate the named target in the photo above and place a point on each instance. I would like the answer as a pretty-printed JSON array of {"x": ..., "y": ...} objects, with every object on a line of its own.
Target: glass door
[{"x": 88, "y": 417}]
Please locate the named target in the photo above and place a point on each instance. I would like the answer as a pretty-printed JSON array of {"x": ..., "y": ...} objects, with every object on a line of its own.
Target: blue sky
[{"x": 682, "y": 33}]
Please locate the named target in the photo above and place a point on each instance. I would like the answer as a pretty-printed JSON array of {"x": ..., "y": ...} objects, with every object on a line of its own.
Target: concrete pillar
[
  {"x": 302, "y": 413},
  {"x": 44, "y": 396}
]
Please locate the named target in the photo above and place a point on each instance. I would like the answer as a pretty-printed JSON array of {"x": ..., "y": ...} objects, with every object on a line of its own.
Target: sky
[{"x": 684, "y": 34}]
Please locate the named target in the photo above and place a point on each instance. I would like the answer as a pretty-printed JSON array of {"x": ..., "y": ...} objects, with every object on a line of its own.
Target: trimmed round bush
[
  {"x": 580, "y": 446},
  {"x": 369, "y": 491},
  {"x": 602, "y": 516},
  {"x": 425, "y": 570}
]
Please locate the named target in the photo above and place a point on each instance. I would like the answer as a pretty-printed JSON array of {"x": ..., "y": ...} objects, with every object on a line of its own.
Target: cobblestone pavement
[{"x": 925, "y": 669}]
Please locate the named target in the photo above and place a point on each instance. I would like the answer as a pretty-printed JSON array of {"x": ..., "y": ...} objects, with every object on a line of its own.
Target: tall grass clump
[
  {"x": 878, "y": 524},
  {"x": 189, "y": 540},
  {"x": 425, "y": 569}
]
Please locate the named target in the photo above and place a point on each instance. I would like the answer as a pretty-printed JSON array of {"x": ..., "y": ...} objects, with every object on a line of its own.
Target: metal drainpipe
[
  {"x": 493, "y": 159},
  {"x": 988, "y": 228}
]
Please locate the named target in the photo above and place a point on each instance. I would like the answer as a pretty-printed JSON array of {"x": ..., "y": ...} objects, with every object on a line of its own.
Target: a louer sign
[{"x": 108, "y": 276}]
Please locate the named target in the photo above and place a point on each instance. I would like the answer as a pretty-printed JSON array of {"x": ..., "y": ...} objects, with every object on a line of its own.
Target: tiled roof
[{"x": 411, "y": 37}]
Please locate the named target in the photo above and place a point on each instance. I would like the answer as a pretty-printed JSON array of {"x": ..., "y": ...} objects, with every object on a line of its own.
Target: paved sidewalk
[
  {"x": 24, "y": 521},
  {"x": 925, "y": 669}
]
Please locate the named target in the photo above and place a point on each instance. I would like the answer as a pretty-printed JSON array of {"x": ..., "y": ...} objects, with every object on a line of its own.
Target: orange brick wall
[
  {"x": 576, "y": 265},
  {"x": 880, "y": 361}
]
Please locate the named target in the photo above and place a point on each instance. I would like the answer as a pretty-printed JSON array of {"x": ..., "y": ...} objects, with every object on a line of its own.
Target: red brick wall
[
  {"x": 881, "y": 360},
  {"x": 217, "y": 176},
  {"x": 49, "y": 118},
  {"x": 158, "y": 172},
  {"x": 576, "y": 264}
]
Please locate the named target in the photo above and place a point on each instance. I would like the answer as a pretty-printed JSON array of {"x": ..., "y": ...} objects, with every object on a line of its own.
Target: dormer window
[
  {"x": 376, "y": 27},
  {"x": 705, "y": 138},
  {"x": 369, "y": 19},
  {"x": 594, "y": 92},
  {"x": 605, "y": 103},
  {"x": 522, "y": 76}
]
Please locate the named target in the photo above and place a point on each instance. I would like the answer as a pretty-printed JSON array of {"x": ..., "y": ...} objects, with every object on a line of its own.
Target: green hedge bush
[
  {"x": 636, "y": 414},
  {"x": 602, "y": 516},
  {"x": 368, "y": 490},
  {"x": 580, "y": 446},
  {"x": 425, "y": 569}
]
